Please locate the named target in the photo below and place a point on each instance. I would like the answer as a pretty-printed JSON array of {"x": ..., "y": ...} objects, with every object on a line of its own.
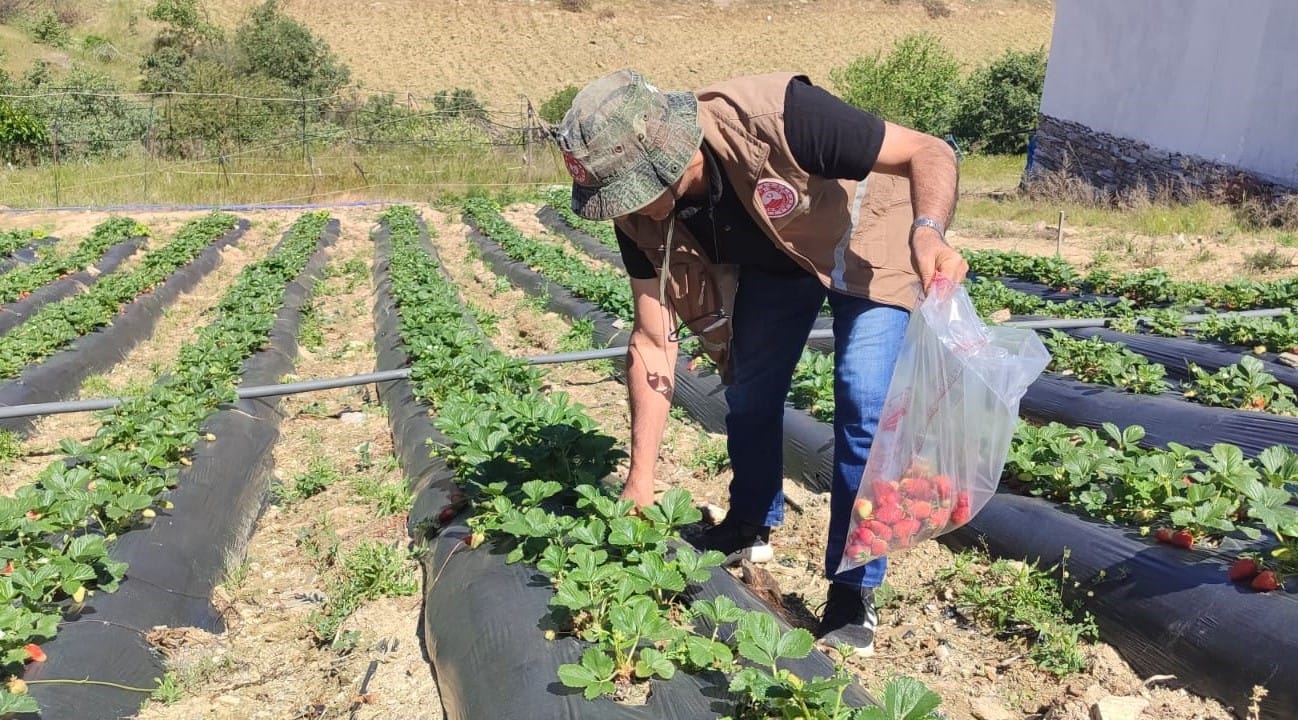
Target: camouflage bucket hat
[{"x": 624, "y": 141}]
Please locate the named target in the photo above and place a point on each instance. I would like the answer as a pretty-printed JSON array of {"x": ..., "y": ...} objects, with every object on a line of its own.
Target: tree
[
  {"x": 276, "y": 46},
  {"x": 914, "y": 86}
]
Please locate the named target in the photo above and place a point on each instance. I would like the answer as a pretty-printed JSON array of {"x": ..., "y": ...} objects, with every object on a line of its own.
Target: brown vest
[{"x": 853, "y": 236}]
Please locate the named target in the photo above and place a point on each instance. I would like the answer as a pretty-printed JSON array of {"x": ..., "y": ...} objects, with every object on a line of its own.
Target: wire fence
[{"x": 235, "y": 137}]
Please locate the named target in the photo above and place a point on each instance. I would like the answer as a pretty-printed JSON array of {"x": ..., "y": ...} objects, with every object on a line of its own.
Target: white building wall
[{"x": 1217, "y": 79}]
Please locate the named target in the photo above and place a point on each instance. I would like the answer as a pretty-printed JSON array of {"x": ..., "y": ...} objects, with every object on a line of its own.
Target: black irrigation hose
[
  {"x": 59, "y": 375},
  {"x": 481, "y": 614},
  {"x": 15, "y": 314},
  {"x": 177, "y": 560}
]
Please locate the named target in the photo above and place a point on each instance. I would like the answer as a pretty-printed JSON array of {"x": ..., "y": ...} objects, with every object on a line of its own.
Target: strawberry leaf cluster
[{"x": 15, "y": 284}]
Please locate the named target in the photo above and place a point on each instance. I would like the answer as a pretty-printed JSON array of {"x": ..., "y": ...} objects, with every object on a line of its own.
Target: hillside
[{"x": 507, "y": 49}]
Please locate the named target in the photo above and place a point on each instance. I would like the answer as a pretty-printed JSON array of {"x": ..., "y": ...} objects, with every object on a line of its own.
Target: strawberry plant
[
  {"x": 610, "y": 290},
  {"x": 14, "y": 240},
  {"x": 57, "y": 325},
  {"x": 813, "y": 385},
  {"x": 1094, "y": 360},
  {"x": 17, "y": 283},
  {"x": 1205, "y": 493},
  {"x": 1245, "y": 385},
  {"x": 1277, "y": 334},
  {"x": 532, "y": 465},
  {"x": 1143, "y": 288}
]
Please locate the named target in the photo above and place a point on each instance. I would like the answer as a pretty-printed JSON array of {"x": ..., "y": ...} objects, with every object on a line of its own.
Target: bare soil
[{"x": 509, "y": 50}]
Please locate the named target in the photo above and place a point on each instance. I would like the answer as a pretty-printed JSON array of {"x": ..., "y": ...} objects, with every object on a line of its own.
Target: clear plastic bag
[{"x": 945, "y": 429}]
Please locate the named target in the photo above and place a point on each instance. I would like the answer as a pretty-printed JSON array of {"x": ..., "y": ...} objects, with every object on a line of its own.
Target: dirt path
[{"x": 269, "y": 664}]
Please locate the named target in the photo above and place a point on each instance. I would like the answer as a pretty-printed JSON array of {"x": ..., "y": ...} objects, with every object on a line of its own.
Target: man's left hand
[{"x": 932, "y": 256}]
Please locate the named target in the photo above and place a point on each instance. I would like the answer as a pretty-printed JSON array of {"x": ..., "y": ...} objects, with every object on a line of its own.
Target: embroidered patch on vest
[
  {"x": 579, "y": 173},
  {"x": 778, "y": 198}
]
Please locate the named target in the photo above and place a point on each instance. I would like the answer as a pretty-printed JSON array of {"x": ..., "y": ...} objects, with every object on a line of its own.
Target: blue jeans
[{"x": 773, "y": 315}]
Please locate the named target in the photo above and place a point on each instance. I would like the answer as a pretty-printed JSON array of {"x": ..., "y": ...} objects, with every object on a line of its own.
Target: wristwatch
[{"x": 928, "y": 223}]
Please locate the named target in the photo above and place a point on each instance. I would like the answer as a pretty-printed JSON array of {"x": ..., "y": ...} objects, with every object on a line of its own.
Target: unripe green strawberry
[{"x": 864, "y": 508}]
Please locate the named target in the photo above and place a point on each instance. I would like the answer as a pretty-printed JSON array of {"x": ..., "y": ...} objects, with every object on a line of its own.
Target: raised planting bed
[
  {"x": 166, "y": 494},
  {"x": 46, "y": 358},
  {"x": 24, "y": 293},
  {"x": 21, "y": 246},
  {"x": 548, "y": 571}
]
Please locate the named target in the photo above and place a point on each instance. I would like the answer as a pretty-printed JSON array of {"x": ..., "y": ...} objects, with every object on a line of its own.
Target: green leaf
[
  {"x": 909, "y": 699},
  {"x": 13, "y": 704},
  {"x": 759, "y": 638},
  {"x": 796, "y": 643},
  {"x": 653, "y": 662}
]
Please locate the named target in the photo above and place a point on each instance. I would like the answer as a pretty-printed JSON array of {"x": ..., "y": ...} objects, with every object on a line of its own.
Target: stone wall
[{"x": 1116, "y": 165}]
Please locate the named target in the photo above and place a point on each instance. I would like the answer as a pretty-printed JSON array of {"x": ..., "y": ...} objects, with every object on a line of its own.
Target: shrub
[
  {"x": 20, "y": 134},
  {"x": 1000, "y": 100},
  {"x": 459, "y": 103},
  {"x": 915, "y": 85},
  {"x": 48, "y": 29},
  {"x": 276, "y": 46},
  {"x": 554, "y": 108}
]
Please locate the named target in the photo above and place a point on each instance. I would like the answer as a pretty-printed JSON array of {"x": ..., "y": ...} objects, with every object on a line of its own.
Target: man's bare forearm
[
  {"x": 650, "y": 382},
  {"x": 934, "y": 182}
]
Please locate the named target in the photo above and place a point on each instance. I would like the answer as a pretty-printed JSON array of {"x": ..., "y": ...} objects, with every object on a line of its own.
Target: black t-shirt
[{"x": 828, "y": 138}]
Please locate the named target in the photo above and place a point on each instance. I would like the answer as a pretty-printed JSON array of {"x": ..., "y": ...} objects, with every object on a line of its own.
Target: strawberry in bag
[{"x": 945, "y": 429}]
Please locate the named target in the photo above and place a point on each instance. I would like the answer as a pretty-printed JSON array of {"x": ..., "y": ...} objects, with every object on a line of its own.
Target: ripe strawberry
[
  {"x": 945, "y": 488},
  {"x": 857, "y": 551},
  {"x": 1183, "y": 539},
  {"x": 962, "y": 499},
  {"x": 919, "y": 509},
  {"x": 878, "y": 548},
  {"x": 1163, "y": 535},
  {"x": 446, "y": 515},
  {"x": 881, "y": 530},
  {"x": 886, "y": 492},
  {"x": 889, "y": 514},
  {"x": 905, "y": 527},
  {"x": 960, "y": 515},
  {"x": 1243, "y": 569},
  {"x": 862, "y": 534},
  {"x": 939, "y": 519},
  {"x": 918, "y": 488},
  {"x": 1266, "y": 581},
  {"x": 34, "y": 652},
  {"x": 864, "y": 508},
  {"x": 1258, "y": 402}
]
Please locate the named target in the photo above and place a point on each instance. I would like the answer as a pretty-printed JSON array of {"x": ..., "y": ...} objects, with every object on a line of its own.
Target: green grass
[
  {"x": 1018, "y": 599},
  {"x": 981, "y": 175},
  {"x": 333, "y": 174}
]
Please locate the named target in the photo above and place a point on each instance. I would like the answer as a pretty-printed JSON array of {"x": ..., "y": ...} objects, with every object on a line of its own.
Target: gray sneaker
[{"x": 849, "y": 618}]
